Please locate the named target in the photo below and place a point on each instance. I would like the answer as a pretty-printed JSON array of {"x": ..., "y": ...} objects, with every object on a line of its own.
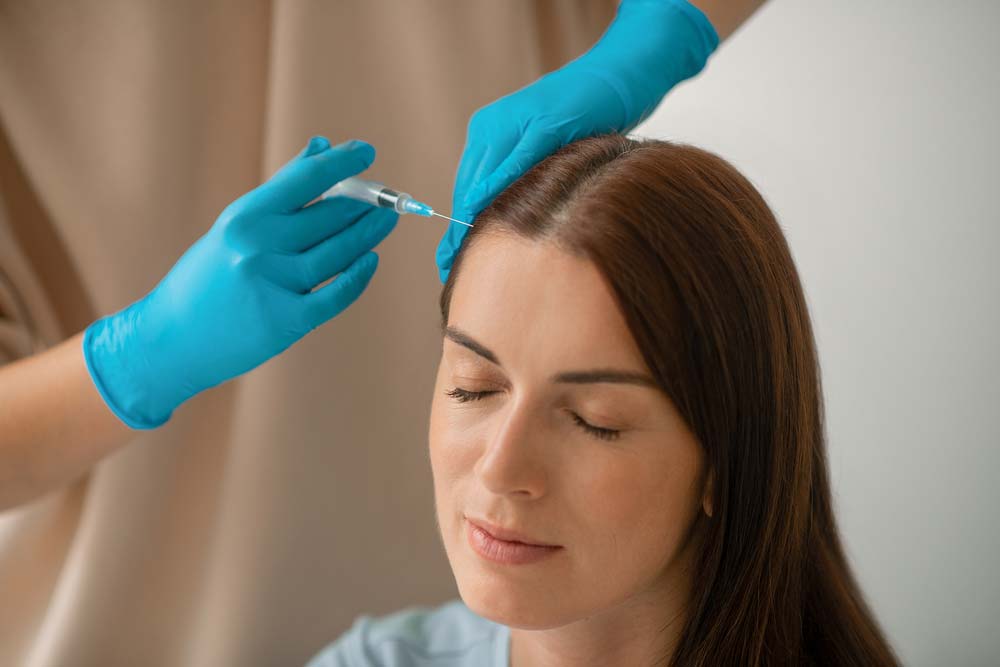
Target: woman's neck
[{"x": 642, "y": 631}]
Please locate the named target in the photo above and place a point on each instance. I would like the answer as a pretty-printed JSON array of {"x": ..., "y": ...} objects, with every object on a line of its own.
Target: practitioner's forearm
[{"x": 54, "y": 425}]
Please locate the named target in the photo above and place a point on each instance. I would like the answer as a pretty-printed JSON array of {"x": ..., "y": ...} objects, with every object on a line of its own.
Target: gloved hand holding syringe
[
  {"x": 378, "y": 194},
  {"x": 279, "y": 261}
]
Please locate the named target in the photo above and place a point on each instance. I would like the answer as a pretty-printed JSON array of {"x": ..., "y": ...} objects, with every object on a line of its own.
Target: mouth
[
  {"x": 504, "y": 546},
  {"x": 505, "y": 534}
]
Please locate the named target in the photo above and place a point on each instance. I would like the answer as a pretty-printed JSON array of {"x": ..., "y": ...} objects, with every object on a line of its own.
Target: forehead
[{"x": 532, "y": 301}]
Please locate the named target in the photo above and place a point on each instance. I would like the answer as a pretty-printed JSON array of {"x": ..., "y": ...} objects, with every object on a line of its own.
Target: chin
[
  {"x": 512, "y": 603},
  {"x": 521, "y": 597},
  {"x": 511, "y": 614}
]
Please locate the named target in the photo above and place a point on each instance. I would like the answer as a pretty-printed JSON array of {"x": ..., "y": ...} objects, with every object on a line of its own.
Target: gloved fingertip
[
  {"x": 470, "y": 197},
  {"x": 317, "y": 144},
  {"x": 360, "y": 149},
  {"x": 443, "y": 260},
  {"x": 442, "y": 256}
]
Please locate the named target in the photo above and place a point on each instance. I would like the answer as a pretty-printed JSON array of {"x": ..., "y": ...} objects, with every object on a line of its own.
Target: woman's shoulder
[{"x": 450, "y": 635}]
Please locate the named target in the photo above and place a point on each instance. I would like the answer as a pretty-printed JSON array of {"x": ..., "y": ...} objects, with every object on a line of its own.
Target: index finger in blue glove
[
  {"x": 470, "y": 167},
  {"x": 333, "y": 255},
  {"x": 491, "y": 139},
  {"x": 449, "y": 245},
  {"x": 532, "y": 148},
  {"x": 488, "y": 143},
  {"x": 313, "y": 224},
  {"x": 328, "y": 301},
  {"x": 309, "y": 175}
]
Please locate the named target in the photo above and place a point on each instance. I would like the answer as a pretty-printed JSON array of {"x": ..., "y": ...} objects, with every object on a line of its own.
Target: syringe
[{"x": 378, "y": 194}]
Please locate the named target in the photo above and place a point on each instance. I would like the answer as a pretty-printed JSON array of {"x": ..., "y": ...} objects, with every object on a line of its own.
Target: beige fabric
[{"x": 270, "y": 511}]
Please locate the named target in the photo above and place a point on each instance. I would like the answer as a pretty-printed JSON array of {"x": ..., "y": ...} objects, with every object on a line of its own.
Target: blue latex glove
[
  {"x": 242, "y": 293},
  {"x": 650, "y": 46}
]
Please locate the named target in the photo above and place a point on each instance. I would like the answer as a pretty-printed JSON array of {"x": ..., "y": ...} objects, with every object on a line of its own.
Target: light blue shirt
[{"x": 447, "y": 636}]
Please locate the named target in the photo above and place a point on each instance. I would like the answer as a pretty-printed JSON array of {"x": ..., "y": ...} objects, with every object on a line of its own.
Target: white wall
[{"x": 872, "y": 130}]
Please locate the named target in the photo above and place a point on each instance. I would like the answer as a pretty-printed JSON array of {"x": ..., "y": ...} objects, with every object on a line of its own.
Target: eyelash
[{"x": 464, "y": 396}]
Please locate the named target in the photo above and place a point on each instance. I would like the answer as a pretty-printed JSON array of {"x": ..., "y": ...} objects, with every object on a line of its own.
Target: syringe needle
[{"x": 452, "y": 219}]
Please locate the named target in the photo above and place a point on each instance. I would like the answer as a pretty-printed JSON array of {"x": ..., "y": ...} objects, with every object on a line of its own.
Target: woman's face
[{"x": 554, "y": 429}]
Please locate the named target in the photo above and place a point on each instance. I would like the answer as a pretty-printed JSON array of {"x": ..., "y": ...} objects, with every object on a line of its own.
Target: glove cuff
[
  {"x": 117, "y": 372},
  {"x": 651, "y": 46}
]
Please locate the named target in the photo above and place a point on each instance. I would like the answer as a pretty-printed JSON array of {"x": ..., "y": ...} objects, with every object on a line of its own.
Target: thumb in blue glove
[
  {"x": 244, "y": 292},
  {"x": 650, "y": 46}
]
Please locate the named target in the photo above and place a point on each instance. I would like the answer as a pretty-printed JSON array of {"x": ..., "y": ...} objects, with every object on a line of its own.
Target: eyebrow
[{"x": 595, "y": 375}]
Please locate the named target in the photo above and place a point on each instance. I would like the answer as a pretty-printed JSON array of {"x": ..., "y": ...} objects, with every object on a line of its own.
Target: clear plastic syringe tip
[{"x": 411, "y": 205}]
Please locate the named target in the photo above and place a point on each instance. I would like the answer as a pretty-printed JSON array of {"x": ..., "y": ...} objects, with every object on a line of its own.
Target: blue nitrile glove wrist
[
  {"x": 243, "y": 292},
  {"x": 651, "y": 46}
]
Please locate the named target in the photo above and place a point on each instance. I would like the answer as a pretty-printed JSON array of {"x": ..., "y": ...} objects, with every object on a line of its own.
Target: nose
[{"x": 513, "y": 458}]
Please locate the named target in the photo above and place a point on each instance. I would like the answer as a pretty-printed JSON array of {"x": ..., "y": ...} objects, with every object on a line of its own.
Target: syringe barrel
[{"x": 373, "y": 192}]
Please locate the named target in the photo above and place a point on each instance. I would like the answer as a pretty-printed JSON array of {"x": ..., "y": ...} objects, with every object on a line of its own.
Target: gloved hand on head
[{"x": 650, "y": 46}]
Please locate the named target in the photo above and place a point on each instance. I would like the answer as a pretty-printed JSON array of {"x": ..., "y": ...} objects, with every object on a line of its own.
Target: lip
[
  {"x": 507, "y": 552},
  {"x": 506, "y": 535}
]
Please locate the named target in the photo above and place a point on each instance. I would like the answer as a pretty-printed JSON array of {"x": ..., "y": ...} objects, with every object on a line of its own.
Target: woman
[{"x": 629, "y": 382}]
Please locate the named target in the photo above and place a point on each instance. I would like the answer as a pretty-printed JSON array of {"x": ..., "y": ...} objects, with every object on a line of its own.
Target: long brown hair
[{"x": 708, "y": 288}]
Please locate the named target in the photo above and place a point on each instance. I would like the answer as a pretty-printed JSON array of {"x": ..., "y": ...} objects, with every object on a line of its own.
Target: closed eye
[
  {"x": 464, "y": 396},
  {"x": 596, "y": 431}
]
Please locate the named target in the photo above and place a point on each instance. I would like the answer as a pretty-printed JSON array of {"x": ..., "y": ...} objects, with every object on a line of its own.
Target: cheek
[
  {"x": 437, "y": 447},
  {"x": 448, "y": 441},
  {"x": 456, "y": 432},
  {"x": 640, "y": 509},
  {"x": 452, "y": 456}
]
